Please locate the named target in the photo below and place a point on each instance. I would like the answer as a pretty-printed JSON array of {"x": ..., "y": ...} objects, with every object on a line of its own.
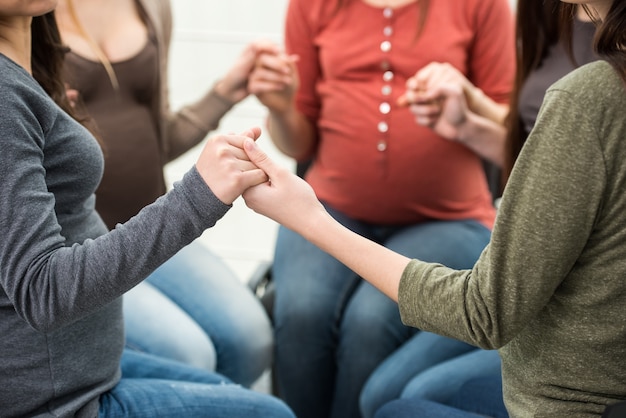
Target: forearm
[
  {"x": 378, "y": 265},
  {"x": 485, "y": 137},
  {"x": 484, "y": 106},
  {"x": 292, "y": 133},
  {"x": 191, "y": 124}
]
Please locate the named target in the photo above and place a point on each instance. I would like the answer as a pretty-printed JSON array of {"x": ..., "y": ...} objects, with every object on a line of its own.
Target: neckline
[{"x": 394, "y": 8}]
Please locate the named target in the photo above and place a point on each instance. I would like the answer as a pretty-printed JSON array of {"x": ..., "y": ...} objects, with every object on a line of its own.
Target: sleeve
[
  {"x": 51, "y": 282},
  {"x": 492, "y": 56},
  {"x": 300, "y": 40},
  {"x": 188, "y": 126},
  {"x": 548, "y": 212}
]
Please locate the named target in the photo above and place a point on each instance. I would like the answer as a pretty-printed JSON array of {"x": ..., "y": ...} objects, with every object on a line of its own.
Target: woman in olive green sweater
[{"x": 549, "y": 290}]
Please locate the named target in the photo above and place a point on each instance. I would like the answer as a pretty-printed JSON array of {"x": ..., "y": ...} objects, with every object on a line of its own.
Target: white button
[
  {"x": 384, "y": 108},
  {"x": 385, "y": 46},
  {"x": 387, "y": 31},
  {"x": 383, "y": 127},
  {"x": 381, "y": 146},
  {"x": 388, "y": 75},
  {"x": 387, "y": 12},
  {"x": 386, "y": 90}
]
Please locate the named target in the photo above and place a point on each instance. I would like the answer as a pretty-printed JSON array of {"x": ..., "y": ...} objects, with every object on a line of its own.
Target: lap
[{"x": 156, "y": 387}]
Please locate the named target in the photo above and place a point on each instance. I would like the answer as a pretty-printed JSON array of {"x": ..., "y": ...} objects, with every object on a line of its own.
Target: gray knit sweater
[
  {"x": 61, "y": 273},
  {"x": 550, "y": 290}
]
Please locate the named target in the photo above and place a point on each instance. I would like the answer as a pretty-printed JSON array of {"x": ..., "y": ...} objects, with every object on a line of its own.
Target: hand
[
  {"x": 437, "y": 96},
  {"x": 275, "y": 81},
  {"x": 285, "y": 198},
  {"x": 72, "y": 95},
  {"x": 226, "y": 168},
  {"x": 234, "y": 85}
]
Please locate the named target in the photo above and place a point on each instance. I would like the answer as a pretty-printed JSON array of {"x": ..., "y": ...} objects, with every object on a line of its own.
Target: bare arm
[
  {"x": 275, "y": 81},
  {"x": 290, "y": 201},
  {"x": 440, "y": 97}
]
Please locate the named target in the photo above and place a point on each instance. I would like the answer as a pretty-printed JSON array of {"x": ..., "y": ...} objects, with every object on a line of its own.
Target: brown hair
[
  {"x": 537, "y": 29},
  {"x": 610, "y": 39},
  {"x": 48, "y": 53}
]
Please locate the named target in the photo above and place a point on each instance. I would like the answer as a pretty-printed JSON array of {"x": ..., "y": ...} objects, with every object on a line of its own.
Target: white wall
[{"x": 208, "y": 36}]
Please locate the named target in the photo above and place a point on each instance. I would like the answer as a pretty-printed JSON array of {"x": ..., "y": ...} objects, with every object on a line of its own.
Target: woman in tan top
[{"x": 193, "y": 308}]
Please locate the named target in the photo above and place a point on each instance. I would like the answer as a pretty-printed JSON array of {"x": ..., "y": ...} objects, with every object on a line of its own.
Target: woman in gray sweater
[
  {"x": 549, "y": 291},
  {"x": 62, "y": 274}
]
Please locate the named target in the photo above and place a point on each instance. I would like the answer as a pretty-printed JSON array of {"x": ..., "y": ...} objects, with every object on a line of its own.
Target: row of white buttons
[{"x": 385, "y": 106}]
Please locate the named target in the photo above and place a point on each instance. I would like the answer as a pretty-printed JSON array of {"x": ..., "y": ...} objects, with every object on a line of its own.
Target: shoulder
[
  {"x": 159, "y": 12},
  {"x": 22, "y": 100},
  {"x": 596, "y": 86},
  {"x": 314, "y": 12},
  {"x": 490, "y": 10}
]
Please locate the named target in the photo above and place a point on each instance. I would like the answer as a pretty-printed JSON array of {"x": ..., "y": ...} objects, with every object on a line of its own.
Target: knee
[{"x": 371, "y": 399}]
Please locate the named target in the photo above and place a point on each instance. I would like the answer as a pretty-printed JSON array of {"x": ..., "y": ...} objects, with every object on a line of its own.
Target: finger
[
  {"x": 263, "y": 87},
  {"x": 253, "y": 177},
  {"x": 259, "y": 157},
  {"x": 254, "y": 133},
  {"x": 430, "y": 109},
  {"x": 279, "y": 63},
  {"x": 266, "y": 74}
]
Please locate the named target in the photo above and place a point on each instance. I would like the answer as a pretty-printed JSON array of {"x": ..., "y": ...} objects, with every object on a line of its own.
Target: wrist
[{"x": 224, "y": 94}]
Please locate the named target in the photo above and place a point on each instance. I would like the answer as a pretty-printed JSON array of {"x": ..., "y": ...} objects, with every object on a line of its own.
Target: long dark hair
[
  {"x": 610, "y": 39},
  {"x": 541, "y": 24},
  {"x": 538, "y": 28},
  {"x": 48, "y": 53}
]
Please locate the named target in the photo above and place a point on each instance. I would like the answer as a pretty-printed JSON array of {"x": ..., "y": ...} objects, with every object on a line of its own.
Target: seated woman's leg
[
  {"x": 370, "y": 331},
  {"x": 456, "y": 244},
  {"x": 413, "y": 358},
  {"x": 482, "y": 395},
  {"x": 442, "y": 382},
  {"x": 311, "y": 290},
  {"x": 155, "y": 324},
  {"x": 152, "y": 387},
  {"x": 420, "y": 408},
  {"x": 203, "y": 286}
]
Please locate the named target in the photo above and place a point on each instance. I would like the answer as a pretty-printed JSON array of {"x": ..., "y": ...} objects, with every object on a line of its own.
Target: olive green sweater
[{"x": 550, "y": 290}]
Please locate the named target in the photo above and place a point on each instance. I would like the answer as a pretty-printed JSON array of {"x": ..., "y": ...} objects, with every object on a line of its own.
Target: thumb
[
  {"x": 258, "y": 156},
  {"x": 254, "y": 132}
]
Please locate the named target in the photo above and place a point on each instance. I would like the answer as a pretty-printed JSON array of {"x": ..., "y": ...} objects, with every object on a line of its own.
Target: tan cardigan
[{"x": 178, "y": 131}]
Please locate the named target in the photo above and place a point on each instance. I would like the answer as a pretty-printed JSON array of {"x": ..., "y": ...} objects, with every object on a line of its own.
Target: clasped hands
[{"x": 234, "y": 165}]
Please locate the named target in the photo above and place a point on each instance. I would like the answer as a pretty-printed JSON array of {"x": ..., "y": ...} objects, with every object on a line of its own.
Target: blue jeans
[
  {"x": 194, "y": 309},
  {"x": 153, "y": 387},
  {"x": 479, "y": 397},
  {"x": 332, "y": 329},
  {"x": 483, "y": 396},
  {"x": 428, "y": 366}
]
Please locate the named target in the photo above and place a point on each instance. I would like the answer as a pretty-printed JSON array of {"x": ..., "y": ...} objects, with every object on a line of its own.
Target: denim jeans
[
  {"x": 332, "y": 329},
  {"x": 478, "y": 397},
  {"x": 483, "y": 396},
  {"x": 153, "y": 387},
  {"x": 194, "y": 309},
  {"x": 428, "y": 366}
]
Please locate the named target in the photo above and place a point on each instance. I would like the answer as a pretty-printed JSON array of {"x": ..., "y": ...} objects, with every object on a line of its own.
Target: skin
[
  {"x": 443, "y": 99},
  {"x": 223, "y": 165},
  {"x": 118, "y": 30},
  {"x": 438, "y": 95},
  {"x": 290, "y": 201}
]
